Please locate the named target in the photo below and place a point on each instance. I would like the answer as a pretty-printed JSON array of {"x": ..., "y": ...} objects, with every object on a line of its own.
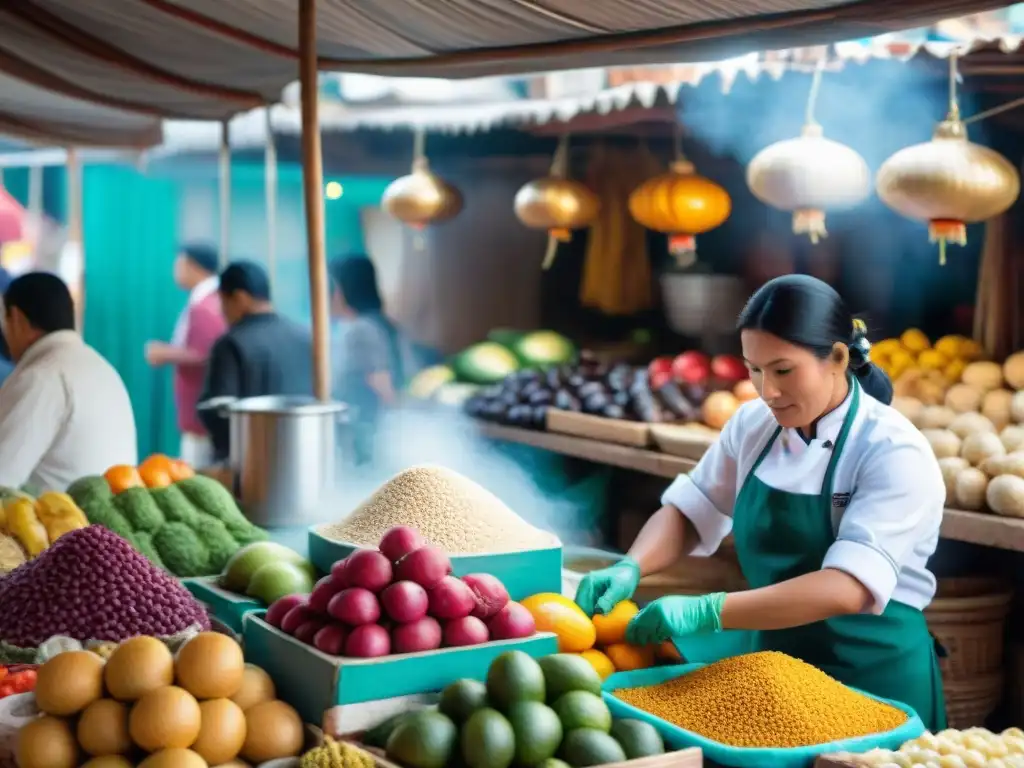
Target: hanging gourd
[
  {"x": 556, "y": 203},
  {"x": 809, "y": 175},
  {"x": 422, "y": 197},
  {"x": 949, "y": 181},
  {"x": 680, "y": 204}
]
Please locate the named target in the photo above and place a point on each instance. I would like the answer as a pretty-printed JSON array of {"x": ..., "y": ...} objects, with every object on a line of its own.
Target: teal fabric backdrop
[{"x": 130, "y": 224}]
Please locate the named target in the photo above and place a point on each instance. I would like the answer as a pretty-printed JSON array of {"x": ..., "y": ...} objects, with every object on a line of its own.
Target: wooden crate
[
  {"x": 689, "y": 441},
  {"x": 684, "y": 758},
  {"x": 634, "y": 433}
]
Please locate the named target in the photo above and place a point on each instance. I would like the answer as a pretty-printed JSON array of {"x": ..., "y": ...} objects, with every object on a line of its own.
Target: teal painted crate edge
[
  {"x": 226, "y": 606},
  {"x": 747, "y": 757},
  {"x": 523, "y": 573},
  {"x": 312, "y": 681}
]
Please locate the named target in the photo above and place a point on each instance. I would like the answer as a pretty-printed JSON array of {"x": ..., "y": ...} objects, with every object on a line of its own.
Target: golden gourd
[
  {"x": 557, "y": 205},
  {"x": 554, "y": 613},
  {"x": 681, "y": 204},
  {"x": 422, "y": 197},
  {"x": 24, "y": 525}
]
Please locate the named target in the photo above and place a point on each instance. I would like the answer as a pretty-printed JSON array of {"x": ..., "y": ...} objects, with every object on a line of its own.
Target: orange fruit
[
  {"x": 627, "y": 658},
  {"x": 600, "y": 662},
  {"x": 121, "y": 477},
  {"x": 611, "y": 627},
  {"x": 181, "y": 471},
  {"x": 156, "y": 471}
]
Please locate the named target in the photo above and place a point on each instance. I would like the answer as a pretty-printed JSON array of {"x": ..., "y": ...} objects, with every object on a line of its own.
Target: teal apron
[{"x": 780, "y": 536}]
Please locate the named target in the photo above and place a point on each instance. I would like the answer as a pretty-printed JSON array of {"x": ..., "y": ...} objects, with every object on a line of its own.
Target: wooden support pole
[
  {"x": 270, "y": 200},
  {"x": 312, "y": 188},
  {"x": 225, "y": 193},
  {"x": 75, "y": 249}
]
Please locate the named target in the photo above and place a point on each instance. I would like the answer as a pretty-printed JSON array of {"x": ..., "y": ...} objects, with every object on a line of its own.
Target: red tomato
[
  {"x": 691, "y": 368},
  {"x": 658, "y": 366}
]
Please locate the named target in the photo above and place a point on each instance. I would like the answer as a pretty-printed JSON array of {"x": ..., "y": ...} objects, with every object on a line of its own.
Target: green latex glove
[
  {"x": 602, "y": 590},
  {"x": 676, "y": 616}
]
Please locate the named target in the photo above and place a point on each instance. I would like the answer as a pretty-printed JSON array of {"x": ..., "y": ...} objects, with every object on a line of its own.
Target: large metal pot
[{"x": 283, "y": 455}]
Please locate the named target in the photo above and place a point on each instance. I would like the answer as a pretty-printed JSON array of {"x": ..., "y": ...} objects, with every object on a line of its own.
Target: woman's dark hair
[
  {"x": 810, "y": 313},
  {"x": 356, "y": 278}
]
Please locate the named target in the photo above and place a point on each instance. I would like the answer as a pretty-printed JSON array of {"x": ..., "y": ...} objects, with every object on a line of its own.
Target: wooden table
[{"x": 974, "y": 527}]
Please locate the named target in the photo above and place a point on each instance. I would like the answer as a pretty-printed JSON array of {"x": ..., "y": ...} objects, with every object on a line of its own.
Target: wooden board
[
  {"x": 691, "y": 441},
  {"x": 620, "y": 431}
]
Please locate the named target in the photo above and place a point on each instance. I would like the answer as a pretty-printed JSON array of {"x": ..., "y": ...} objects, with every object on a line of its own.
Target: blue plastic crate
[
  {"x": 312, "y": 681},
  {"x": 229, "y": 607},
  {"x": 523, "y": 573},
  {"x": 747, "y": 757}
]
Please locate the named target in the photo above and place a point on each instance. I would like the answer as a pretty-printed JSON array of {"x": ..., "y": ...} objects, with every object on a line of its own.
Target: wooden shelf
[{"x": 982, "y": 528}]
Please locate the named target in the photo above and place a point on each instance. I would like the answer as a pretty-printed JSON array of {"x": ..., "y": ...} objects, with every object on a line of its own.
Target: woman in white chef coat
[{"x": 834, "y": 500}]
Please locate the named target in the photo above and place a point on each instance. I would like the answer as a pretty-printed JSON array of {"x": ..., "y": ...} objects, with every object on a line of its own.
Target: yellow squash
[
  {"x": 59, "y": 514},
  {"x": 24, "y": 525}
]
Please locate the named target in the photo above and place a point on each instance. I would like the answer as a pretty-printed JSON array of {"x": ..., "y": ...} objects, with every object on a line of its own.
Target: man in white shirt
[{"x": 64, "y": 412}]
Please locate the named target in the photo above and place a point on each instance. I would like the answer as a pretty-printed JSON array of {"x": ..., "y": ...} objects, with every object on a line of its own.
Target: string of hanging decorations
[
  {"x": 421, "y": 198},
  {"x": 788, "y": 175},
  {"x": 556, "y": 203},
  {"x": 949, "y": 182},
  {"x": 681, "y": 204}
]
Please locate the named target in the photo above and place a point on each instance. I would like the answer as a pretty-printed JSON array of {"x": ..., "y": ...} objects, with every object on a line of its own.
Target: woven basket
[
  {"x": 968, "y": 616},
  {"x": 970, "y": 702}
]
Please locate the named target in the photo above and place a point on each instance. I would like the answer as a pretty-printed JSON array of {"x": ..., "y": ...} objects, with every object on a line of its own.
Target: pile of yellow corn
[
  {"x": 765, "y": 699},
  {"x": 336, "y": 754},
  {"x": 36, "y": 523}
]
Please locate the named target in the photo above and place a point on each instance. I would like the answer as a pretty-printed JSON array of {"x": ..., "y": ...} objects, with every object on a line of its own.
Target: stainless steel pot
[{"x": 283, "y": 455}]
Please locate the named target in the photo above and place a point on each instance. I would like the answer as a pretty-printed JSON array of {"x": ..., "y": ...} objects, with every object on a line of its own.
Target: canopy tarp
[{"x": 209, "y": 60}]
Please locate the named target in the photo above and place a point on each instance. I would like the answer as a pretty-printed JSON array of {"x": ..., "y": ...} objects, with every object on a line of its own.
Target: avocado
[
  {"x": 462, "y": 698},
  {"x": 565, "y": 672},
  {"x": 514, "y": 676},
  {"x": 488, "y": 740},
  {"x": 485, "y": 363},
  {"x": 424, "y": 741},
  {"x": 552, "y": 762},
  {"x": 580, "y": 709},
  {"x": 637, "y": 738},
  {"x": 586, "y": 746},
  {"x": 538, "y": 731},
  {"x": 378, "y": 735}
]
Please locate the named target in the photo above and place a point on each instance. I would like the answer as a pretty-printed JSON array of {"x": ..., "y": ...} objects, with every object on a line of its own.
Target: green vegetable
[
  {"x": 587, "y": 746},
  {"x": 544, "y": 348},
  {"x": 514, "y": 676},
  {"x": 637, "y": 738},
  {"x": 488, "y": 740},
  {"x": 191, "y": 528},
  {"x": 580, "y": 709},
  {"x": 564, "y": 672},
  {"x": 538, "y": 731},
  {"x": 426, "y": 741},
  {"x": 485, "y": 363}
]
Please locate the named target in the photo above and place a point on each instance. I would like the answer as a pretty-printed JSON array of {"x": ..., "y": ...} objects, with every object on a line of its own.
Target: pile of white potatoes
[
  {"x": 978, "y": 436},
  {"x": 973, "y": 748}
]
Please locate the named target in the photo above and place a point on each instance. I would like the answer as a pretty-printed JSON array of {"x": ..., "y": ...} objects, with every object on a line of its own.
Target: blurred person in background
[
  {"x": 368, "y": 356},
  {"x": 262, "y": 352},
  {"x": 64, "y": 411},
  {"x": 199, "y": 325},
  {"x": 6, "y": 364}
]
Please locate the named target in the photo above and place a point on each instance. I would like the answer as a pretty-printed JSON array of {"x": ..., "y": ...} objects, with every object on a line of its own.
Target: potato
[
  {"x": 945, "y": 444},
  {"x": 1012, "y": 437},
  {"x": 951, "y": 467},
  {"x": 1013, "y": 370},
  {"x": 964, "y": 398},
  {"x": 1010, "y": 464},
  {"x": 910, "y": 407},
  {"x": 1005, "y": 495},
  {"x": 969, "y": 489},
  {"x": 996, "y": 407},
  {"x": 937, "y": 417},
  {"x": 968, "y": 423},
  {"x": 1017, "y": 407},
  {"x": 979, "y": 446},
  {"x": 985, "y": 375}
]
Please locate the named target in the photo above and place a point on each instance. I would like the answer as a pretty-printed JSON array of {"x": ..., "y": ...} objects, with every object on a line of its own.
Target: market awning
[{"x": 208, "y": 60}]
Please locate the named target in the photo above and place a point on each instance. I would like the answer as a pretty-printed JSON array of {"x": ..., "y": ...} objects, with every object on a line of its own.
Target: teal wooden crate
[
  {"x": 229, "y": 607},
  {"x": 312, "y": 681},
  {"x": 747, "y": 757},
  {"x": 523, "y": 573}
]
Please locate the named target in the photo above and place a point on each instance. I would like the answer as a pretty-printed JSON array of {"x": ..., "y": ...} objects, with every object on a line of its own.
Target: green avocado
[
  {"x": 637, "y": 738},
  {"x": 514, "y": 676},
  {"x": 425, "y": 741},
  {"x": 488, "y": 740},
  {"x": 538, "y": 731},
  {"x": 584, "y": 747}
]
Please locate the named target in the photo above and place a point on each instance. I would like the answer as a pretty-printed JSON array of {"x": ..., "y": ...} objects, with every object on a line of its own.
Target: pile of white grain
[{"x": 449, "y": 510}]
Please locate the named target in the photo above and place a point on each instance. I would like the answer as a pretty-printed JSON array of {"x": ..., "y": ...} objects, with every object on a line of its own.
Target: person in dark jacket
[{"x": 262, "y": 352}]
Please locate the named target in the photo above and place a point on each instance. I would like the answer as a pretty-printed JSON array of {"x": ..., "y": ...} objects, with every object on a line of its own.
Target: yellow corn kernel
[{"x": 24, "y": 525}]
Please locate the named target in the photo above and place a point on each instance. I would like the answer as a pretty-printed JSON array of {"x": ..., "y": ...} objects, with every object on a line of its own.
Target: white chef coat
[
  {"x": 888, "y": 492},
  {"x": 196, "y": 295},
  {"x": 64, "y": 414}
]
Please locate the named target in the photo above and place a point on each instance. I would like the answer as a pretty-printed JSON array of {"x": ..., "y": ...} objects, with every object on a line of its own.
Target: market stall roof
[
  {"x": 209, "y": 60},
  {"x": 995, "y": 64}
]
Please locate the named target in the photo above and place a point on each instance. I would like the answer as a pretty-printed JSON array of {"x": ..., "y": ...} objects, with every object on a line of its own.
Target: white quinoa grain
[{"x": 451, "y": 511}]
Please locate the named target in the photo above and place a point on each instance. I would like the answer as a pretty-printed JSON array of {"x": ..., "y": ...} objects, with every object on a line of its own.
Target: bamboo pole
[
  {"x": 75, "y": 249},
  {"x": 270, "y": 201},
  {"x": 225, "y": 192},
  {"x": 312, "y": 188}
]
